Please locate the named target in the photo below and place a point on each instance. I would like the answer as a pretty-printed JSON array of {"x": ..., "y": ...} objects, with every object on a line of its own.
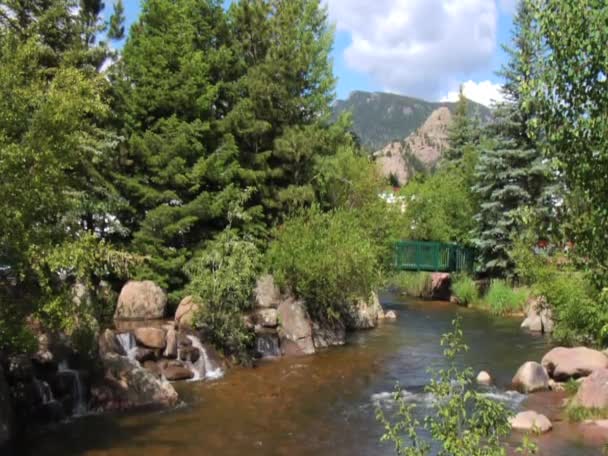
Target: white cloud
[
  {"x": 417, "y": 46},
  {"x": 484, "y": 92}
]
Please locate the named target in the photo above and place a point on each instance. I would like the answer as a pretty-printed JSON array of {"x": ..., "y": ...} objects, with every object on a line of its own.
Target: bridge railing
[{"x": 432, "y": 256}]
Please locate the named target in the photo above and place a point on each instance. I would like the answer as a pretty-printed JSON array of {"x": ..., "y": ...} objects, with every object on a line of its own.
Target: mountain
[
  {"x": 382, "y": 118},
  {"x": 419, "y": 152}
]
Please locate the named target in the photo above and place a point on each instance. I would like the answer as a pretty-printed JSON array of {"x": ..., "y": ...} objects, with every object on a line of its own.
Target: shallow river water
[{"x": 323, "y": 404}]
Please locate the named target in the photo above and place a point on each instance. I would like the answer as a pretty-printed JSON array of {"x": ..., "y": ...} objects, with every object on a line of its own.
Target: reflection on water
[{"x": 317, "y": 405}]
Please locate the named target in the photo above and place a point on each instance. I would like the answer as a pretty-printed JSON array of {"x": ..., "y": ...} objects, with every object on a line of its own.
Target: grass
[
  {"x": 577, "y": 414},
  {"x": 501, "y": 299},
  {"x": 417, "y": 284},
  {"x": 465, "y": 289},
  {"x": 571, "y": 387}
]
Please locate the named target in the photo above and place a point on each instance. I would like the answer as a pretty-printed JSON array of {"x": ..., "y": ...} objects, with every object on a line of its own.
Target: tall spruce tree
[
  {"x": 511, "y": 172},
  {"x": 178, "y": 167},
  {"x": 463, "y": 131},
  {"x": 282, "y": 100}
]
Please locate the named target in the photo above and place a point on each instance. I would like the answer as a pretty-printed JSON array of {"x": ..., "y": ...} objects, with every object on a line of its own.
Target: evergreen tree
[
  {"x": 282, "y": 100},
  {"x": 178, "y": 166},
  {"x": 511, "y": 172},
  {"x": 463, "y": 131}
]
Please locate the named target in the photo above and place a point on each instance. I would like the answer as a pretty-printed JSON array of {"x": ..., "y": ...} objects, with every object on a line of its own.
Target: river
[{"x": 319, "y": 405}]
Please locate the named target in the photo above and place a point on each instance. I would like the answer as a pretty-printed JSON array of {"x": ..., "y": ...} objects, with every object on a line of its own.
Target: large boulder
[
  {"x": 7, "y": 418},
  {"x": 365, "y": 313},
  {"x": 441, "y": 284},
  {"x": 531, "y": 377},
  {"x": 141, "y": 301},
  {"x": 186, "y": 311},
  {"x": 565, "y": 363},
  {"x": 127, "y": 384},
  {"x": 295, "y": 328},
  {"x": 530, "y": 421},
  {"x": 151, "y": 337},
  {"x": 539, "y": 317},
  {"x": 593, "y": 391},
  {"x": 328, "y": 335},
  {"x": 267, "y": 294},
  {"x": 175, "y": 371}
]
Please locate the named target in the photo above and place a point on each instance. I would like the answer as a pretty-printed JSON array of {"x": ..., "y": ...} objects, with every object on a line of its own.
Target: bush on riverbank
[
  {"x": 501, "y": 299},
  {"x": 580, "y": 311},
  {"x": 327, "y": 259},
  {"x": 222, "y": 277},
  {"x": 465, "y": 289}
]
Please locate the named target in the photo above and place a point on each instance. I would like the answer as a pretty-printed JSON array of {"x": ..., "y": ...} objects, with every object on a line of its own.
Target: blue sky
[{"x": 421, "y": 48}]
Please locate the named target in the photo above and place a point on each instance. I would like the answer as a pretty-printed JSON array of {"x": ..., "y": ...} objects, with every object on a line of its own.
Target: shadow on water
[{"x": 316, "y": 405}]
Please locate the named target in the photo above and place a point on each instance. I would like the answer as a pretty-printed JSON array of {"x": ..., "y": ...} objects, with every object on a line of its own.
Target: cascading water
[
  {"x": 128, "y": 344},
  {"x": 44, "y": 391},
  {"x": 204, "y": 368},
  {"x": 80, "y": 405}
]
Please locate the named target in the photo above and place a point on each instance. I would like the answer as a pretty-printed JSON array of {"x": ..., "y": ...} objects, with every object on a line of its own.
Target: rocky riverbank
[{"x": 138, "y": 359}]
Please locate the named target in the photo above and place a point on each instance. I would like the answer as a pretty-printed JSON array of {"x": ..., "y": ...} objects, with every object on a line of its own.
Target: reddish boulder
[
  {"x": 531, "y": 377},
  {"x": 441, "y": 286},
  {"x": 151, "y": 337},
  {"x": 593, "y": 391},
  {"x": 295, "y": 328},
  {"x": 564, "y": 363}
]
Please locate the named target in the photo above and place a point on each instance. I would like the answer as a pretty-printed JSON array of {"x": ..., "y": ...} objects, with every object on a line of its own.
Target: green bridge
[{"x": 432, "y": 256}]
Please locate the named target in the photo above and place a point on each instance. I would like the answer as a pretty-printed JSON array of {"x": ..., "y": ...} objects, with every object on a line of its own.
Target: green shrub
[
  {"x": 328, "y": 259},
  {"x": 578, "y": 414},
  {"x": 416, "y": 284},
  {"x": 465, "y": 289},
  {"x": 222, "y": 278},
  {"x": 501, "y": 299},
  {"x": 571, "y": 387}
]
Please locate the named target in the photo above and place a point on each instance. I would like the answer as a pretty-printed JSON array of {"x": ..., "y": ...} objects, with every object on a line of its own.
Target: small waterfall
[
  {"x": 80, "y": 406},
  {"x": 44, "y": 391},
  {"x": 129, "y": 345},
  {"x": 203, "y": 368},
  {"x": 267, "y": 345}
]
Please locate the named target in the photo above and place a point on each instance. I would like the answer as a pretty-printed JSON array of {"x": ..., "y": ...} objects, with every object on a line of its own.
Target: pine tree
[
  {"x": 463, "y": 130},
  {"x": 282, "y": 100},
  {"x": 116, "y": 27},
  {"x": 510, "y": 173},
  {"x": 178, "y": 166}
]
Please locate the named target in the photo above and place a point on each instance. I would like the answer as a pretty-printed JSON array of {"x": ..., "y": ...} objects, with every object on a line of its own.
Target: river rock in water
[
  {"x": 175, "y": 371},
  {"x": 365, "y": 314},
  {"x": 484, "y": 378},
  {"x": 563, "y": 363},
  {"x": 328, "y": 335},
  {"x": 531, "y": 377},
  {"x": 530, "y": 421},
  {"x": 539, "y": 317},
  {"x": 295, "y": 330},
  {"x": 141, "y": 301},
  {"x": 126, "y": 384},
  {"x": 593, "y": 391},
  {"x": 441, "y": 286}
]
